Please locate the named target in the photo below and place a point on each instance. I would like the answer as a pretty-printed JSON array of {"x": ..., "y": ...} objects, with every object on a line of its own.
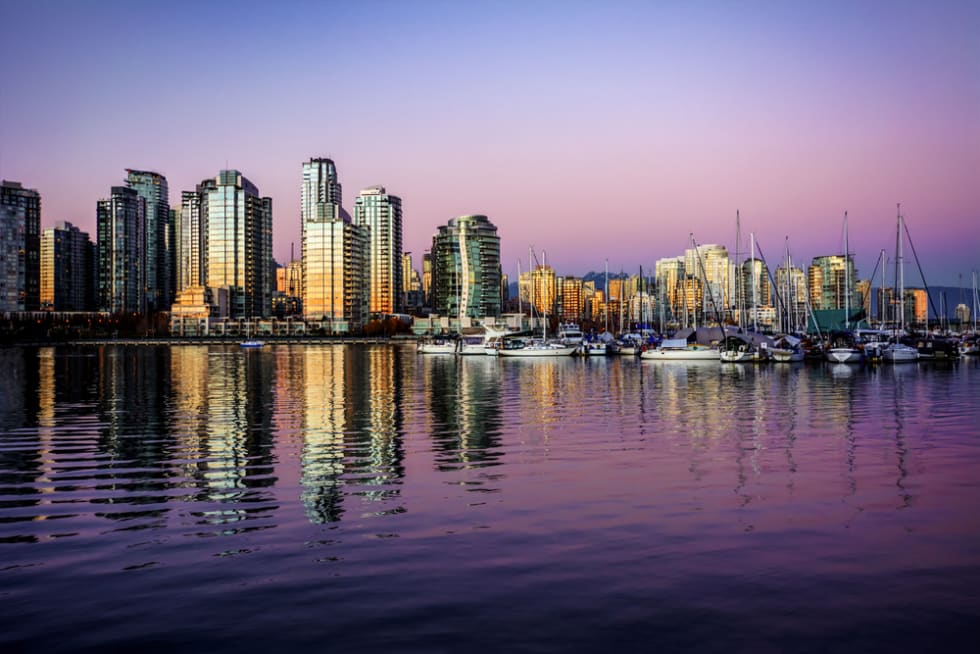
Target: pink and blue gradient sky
[{"x": 593, "y": 131}]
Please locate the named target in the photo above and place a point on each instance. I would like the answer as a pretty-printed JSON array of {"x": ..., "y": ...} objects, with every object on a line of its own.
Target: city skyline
[{"x": 590, "y": 133}]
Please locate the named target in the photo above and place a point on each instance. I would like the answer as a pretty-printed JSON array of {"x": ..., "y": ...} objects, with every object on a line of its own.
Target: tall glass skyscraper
[
  {"x": 382, "y": 215},
  {"x": 20, "y": 248},
  {"x": 121, "y": 224},
  {"x": 334, "y": 252},
  {"x": 239, "y": 246},
  {"x": 466, "y": 268},
  {"x": 158, "y": 255}
]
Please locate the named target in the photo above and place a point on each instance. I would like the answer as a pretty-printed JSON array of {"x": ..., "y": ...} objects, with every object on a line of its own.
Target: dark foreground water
[{"x": 361, "y": 498}]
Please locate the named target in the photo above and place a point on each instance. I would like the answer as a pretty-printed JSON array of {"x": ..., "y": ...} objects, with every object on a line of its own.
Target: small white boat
[
  {"x": 437, "y": 345},
  {"x": 787, "y": 349},
  {"x": 844, "y": 355},
  {"x": 679, "y": 349},
  {"x": 536, "y": 348},
  {"x": 899, "y": 353},
  {"x": 594, "y": 349}
]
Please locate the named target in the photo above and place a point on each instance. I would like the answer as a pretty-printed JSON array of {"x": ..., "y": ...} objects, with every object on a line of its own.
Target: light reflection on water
[{"x": 386, "y": 500}]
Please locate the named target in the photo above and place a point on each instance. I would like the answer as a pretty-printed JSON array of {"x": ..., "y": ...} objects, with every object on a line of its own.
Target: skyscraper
[
  {"x": 121, "y": 224},
  {"x": 158, "y": 254},
  {"x": 827, "y": 277},
  {"x": 192, "y": 236},
  {"x": 67, "y": 269},
  {"x": 20, "y": 248},
  {"x": 335, "y": 253},
  {"x": 239, "y": 246},
  {"x": 466, "y": 268},
  {"x": 382, "y": 215}
]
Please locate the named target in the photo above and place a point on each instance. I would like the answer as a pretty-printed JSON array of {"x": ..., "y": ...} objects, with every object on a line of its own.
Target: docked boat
[
  {"x": 251, "y": 343},
  {"x": 437, "y": 345},
  {"x": 843, "y": 349},
  {"x": 745, "y": 348},
  {"x": 679, "y": 349},
  {"x": 535, "y": 348},
  {"x": 787, "y": 349},
  {"x": 899, "y": 353},
  {"x": 478, "y": 341}
]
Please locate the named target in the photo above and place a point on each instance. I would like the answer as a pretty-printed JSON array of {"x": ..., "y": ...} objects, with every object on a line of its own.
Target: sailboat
[
  {"x": 542, "y": 347},
  {"x": 250, "y": 342},
  {"x": 896, "y": 351},
  {"x": 843, "y": 348}
]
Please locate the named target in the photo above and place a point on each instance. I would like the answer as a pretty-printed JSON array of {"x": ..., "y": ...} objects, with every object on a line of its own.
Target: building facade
[
  {"x": 335, "y": 253},
  {"x": 68, "y": 269},
  {"x": 827, "y": 279},
  {"x": 239, "y": 246},
  {"x": 158, "y": 238},
  {"x": 381, "y": 214},
  {"x": 120, "y": 222},
  {"x": 20, "y": 248},
  {"x": 466, "y": 268}
]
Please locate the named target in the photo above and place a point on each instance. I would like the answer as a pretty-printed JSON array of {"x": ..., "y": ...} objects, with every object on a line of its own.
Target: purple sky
[{"x": 593, "y": 131}]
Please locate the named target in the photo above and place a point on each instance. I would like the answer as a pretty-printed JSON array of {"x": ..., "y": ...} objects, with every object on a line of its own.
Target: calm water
[{"x": 361, "y": 498}]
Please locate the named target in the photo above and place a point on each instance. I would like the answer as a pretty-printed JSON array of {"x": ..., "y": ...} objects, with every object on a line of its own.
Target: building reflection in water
[
  {"x": 351, "y": 428},
  {"x": 237, "y": 450},
  {"x": 463, "y": 395},
  {"x": 325, "y": 418}
]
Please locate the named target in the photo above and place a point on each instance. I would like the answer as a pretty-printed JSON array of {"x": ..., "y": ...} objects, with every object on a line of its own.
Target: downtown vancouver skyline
[{"x": 592, "y": 133}]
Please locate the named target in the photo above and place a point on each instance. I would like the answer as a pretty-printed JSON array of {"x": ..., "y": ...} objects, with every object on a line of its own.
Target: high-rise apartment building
[
  {"x": 68, "y": 269},
  {"x": 158, "y": 237},
  {"x": 669, "y": 272},
  {"x": 755, "y": 284},
  {"x": 239, "y": 265},
  {"x": 336, "y": 283},
  {"x": 712, "y": 264},
  {"x": 826, "y": 279},
  {"x": 466, "y": 268},
  {"x": 20, "y": 248},
  {"x": 192, "y": 236},
  {"x": 120, "y": 221},
  {"x": 427, "y": 278},
  {"x": 544, "y": 290},
  {"x": 572, "y": 299},
  {"x": 381, "y": 214}
]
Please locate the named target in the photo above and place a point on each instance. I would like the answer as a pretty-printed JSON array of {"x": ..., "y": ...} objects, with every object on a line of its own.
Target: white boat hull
[
  {"x": 538, "y": 351},
  {"x": 900, "y": 354},
  {"x": 844, "y": 355},
  {"x": 693, "y": 353},
  {"x": 436, "y": 348},
  {"x": 780, "y": 355}
]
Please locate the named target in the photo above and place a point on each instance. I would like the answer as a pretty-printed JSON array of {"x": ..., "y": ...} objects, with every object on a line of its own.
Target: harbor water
[{"x": 366, "y": 498}]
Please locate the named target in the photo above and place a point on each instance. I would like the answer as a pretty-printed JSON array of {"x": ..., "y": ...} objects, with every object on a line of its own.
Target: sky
[{"x": 589, "y": 131}]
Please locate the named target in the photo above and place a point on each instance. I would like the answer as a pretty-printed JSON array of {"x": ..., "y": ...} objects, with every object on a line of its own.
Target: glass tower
[
  {"x": 121, "y": 224},
  {"x": 334, "y": 252},
  {"x": 466, "y": 268},
  {"x": 20, "y": 248},
  {"x": 382, "y": 215},
  {"x": 239, "y": 245},
  {"x": 157, "y": 255}
]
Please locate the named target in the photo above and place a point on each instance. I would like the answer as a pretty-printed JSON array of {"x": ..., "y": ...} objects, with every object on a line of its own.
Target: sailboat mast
[
  {"x": 607, "y": 297},
  {"x": 739, "y": 291},
  {"x": 899, "y": 272},
  {"x": 847, "y": 278},
  {"x": 883, "y": 318},
  {"x": 520, "y": 307},
  {"x": 752, "y": 280}
]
